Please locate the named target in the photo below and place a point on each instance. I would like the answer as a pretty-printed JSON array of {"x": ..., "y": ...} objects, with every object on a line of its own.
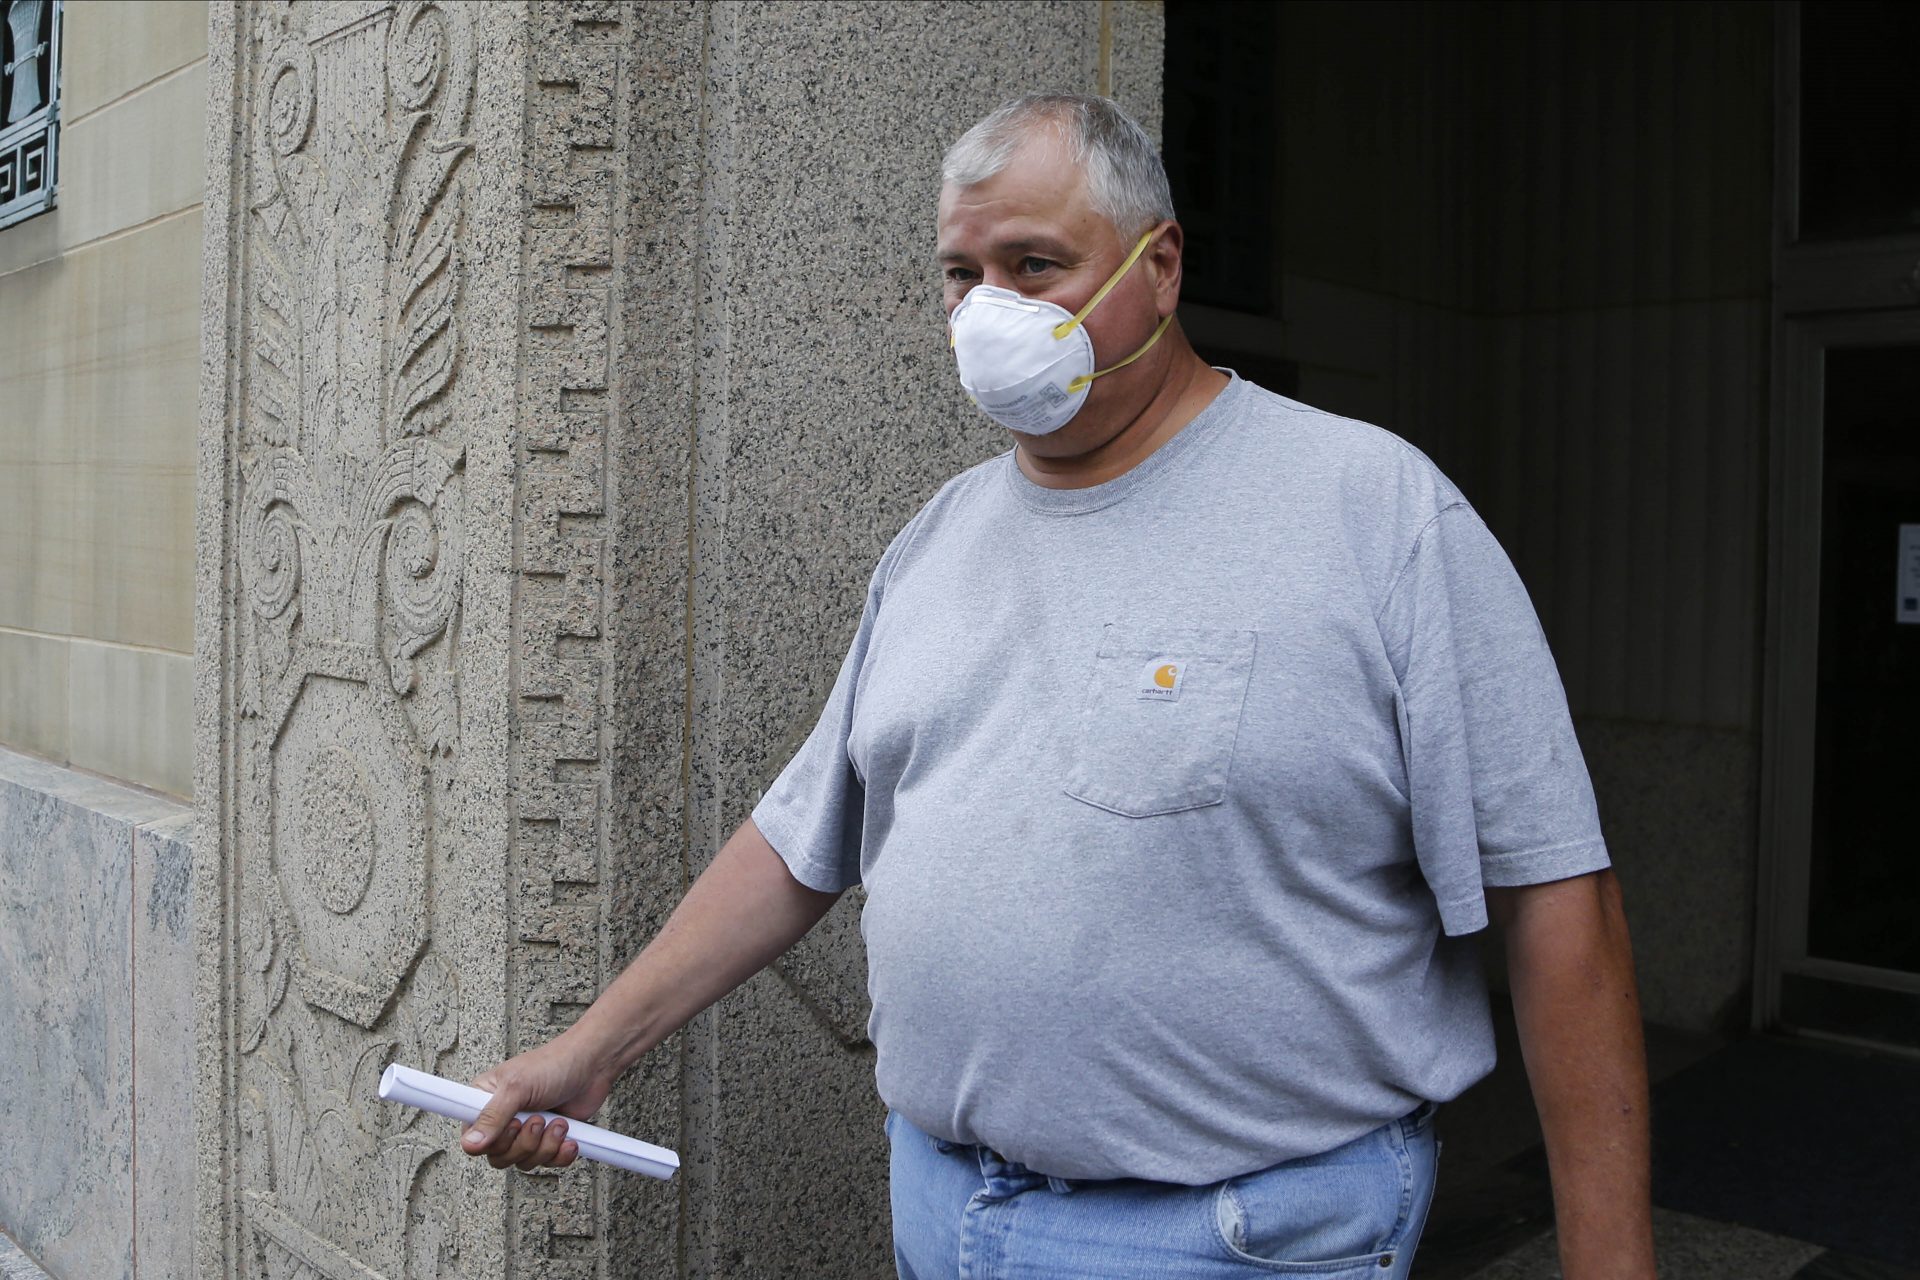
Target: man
[{"x": 1179, "y": 749}]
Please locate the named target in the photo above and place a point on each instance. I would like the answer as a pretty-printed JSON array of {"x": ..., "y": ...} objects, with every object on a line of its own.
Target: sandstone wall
[{"x": 99, "y": 303}]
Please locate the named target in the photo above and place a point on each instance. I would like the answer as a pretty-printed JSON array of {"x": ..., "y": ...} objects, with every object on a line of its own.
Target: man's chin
[{"x": 1077, "y": 437}]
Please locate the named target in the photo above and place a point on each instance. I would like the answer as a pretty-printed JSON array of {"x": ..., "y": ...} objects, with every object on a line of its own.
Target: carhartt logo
[{"x": 1160, "y": 679}]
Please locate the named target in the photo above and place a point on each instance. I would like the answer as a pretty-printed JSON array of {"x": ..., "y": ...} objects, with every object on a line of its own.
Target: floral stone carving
[{"x": 349, "y": 519}]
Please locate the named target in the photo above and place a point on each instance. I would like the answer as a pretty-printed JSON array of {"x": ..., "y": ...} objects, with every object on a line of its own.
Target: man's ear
[{"x": 1163, "y": 267}]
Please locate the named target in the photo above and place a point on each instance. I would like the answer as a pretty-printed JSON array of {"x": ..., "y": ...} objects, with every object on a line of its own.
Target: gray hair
[{"x": 1126, "y": 182}]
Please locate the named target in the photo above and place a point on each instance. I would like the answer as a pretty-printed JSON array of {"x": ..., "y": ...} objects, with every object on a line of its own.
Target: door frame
[
  {"x": 1830, "y": 294},
  {"x": 1792, "y": 643}
]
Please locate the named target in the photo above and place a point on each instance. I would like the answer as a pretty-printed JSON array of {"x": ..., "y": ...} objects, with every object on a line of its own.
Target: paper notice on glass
[
  {"x": 1906, "y": 601},
  {"x": 463, "y": 1102}
]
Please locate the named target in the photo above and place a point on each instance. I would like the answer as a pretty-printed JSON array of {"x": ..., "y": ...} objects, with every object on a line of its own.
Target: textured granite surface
[
  {"x": 1833, "y": 1265},
  {"x": 827, "y": 413},
  {"x": 1678, "y": 806},
  {"x": 1684, "y": 1246},
  {"x": 72, "y": 958},
  {"x": 513, "y": 596}
]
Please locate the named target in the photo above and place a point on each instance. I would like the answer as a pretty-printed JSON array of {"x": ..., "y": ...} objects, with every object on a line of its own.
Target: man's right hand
[
  {"x": 562, "y": 1075},
  {"x": 741, "y": 912}
]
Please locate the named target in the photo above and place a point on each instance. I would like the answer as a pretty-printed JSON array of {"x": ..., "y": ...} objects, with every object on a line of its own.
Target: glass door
[{"x": 1843, "y": 746}]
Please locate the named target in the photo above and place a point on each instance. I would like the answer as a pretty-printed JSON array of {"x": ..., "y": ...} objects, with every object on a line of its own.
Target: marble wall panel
[
  {"x": 162, "y": 962},
  {"x": 74, "y": 1017},
  {"x": 16, "y": 1265}
]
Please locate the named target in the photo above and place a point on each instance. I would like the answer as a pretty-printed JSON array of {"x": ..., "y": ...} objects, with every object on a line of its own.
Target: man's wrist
[{"x": 609, "y": 1043}]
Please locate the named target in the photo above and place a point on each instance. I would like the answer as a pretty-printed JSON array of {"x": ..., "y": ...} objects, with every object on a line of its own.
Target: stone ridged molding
[{"x": 560, "y": 746}]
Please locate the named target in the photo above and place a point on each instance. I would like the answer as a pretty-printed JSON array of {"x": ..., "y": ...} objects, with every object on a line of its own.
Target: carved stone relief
[
  {"x": 350, "y": 530},
  {"x": 352, "y": 269}
]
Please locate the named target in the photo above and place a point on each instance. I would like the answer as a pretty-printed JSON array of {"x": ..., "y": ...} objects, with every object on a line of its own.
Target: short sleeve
[
  {"x": 813, "y": 813},
  {"x": 1498, "y": 789}
]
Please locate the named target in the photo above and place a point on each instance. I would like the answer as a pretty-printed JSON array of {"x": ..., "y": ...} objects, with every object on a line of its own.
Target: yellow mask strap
[
  {"x": 1066, "y": 327},
  {"x": 1084, "y": 379}
]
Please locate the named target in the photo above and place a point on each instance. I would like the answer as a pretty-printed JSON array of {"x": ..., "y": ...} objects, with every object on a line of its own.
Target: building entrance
[{"x": 1839, "y": 950}]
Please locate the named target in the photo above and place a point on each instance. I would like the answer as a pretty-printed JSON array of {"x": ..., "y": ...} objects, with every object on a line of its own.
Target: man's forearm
[
  {"x": 1577, "y": 1007},
  {"x": 738, "y": 916}
]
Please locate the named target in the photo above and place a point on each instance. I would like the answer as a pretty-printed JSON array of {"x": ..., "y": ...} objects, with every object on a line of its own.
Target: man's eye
[
  {"x": 1033, "y": 266},
  {"x": 959, "y": 274}
]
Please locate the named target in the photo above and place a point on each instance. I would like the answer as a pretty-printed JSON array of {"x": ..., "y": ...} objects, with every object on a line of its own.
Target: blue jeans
[{"x": 1352, "y": 1213}]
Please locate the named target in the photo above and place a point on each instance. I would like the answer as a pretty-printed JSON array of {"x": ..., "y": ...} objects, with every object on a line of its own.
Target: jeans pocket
[
  {"x": 1335, "y": 1213},
  {"x": 1159, "y": 718}
]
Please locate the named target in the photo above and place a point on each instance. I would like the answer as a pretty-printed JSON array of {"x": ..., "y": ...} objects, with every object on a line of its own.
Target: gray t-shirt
[{"x": 1173, "y": 797}]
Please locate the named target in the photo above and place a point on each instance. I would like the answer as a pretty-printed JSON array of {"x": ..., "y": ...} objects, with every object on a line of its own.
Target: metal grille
[{"x": 29, "y": 106}]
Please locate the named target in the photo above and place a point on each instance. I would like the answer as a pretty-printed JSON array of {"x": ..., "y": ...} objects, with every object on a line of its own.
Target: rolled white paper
[{"x": 463, "y": 1102}]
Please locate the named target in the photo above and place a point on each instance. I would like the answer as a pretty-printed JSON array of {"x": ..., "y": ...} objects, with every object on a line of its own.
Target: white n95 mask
[{"x": 1027, "y": 363}]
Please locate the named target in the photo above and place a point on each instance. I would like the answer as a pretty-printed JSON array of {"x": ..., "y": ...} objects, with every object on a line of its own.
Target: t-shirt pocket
[{"x": 1159, "y": 718}]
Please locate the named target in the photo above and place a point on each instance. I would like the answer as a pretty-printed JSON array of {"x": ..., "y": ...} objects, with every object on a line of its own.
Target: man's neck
[{"x": 1188, "y": 386}]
